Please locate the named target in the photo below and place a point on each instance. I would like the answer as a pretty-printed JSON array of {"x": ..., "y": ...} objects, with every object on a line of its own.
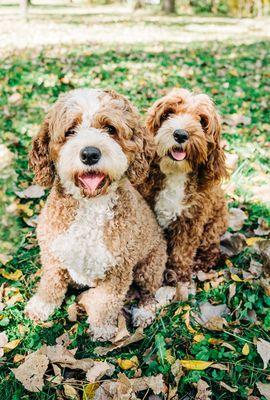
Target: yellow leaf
[
  {"x": 133, "y": 362},
  {"x": 18, "y": 358},
  {"x": 236, "y": 278},
  {"x": 186, "y": 318},
  {"x": 197, "y": 365},
  {"x": 11, "y": 345},
  {"x": 13, "y": 276},
  {"x": 229, "y": 263},
  {"x": 206, "y": 286},
  {"x": 198, "y": 338},
  {"x": 178, "y": 311},
  {"x": 245, "y": 349},
  {"x": 89, "y": 391},
  {"x": 251, "y": 241},
  {"x": 215, "y": 341},
  {"x": 169, "y": 357}
]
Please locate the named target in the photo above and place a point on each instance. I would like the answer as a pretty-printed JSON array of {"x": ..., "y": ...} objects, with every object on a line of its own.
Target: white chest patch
[
  {"x": 169, "y": 202},
  {"x": 82, "y": 248}
]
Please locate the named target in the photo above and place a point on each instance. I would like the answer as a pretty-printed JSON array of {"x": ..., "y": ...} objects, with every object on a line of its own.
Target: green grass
[{"x": 236, "y": 77}]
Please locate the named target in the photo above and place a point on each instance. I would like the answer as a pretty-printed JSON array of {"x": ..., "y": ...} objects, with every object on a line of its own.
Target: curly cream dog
[
  {"x": 184, "y": 182},
  {"x": 95, "y": 228}
]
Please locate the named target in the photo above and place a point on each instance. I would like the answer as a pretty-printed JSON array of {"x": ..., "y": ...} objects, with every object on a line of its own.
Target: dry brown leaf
[
  {"x": 206, "y": 276},
  {"x": 264, "y": 389},
  {"x": 263, "y": 348},
  {"x": 72, "y": 312},
  {"x": 255, "y": 268},
  {"x": 263, "y": 227},
  {"x": 32, "y": 192},
  {"x": 265, "y": 284},
  {"x": 221, "y": 367},
  {"x": 232, "y": 244},
  {"x": 232, "y": 291},
  {"x": 177, "y": 370},
  {"x": 154, "y": 383},
  {"x": 70, "y": 392},
  {"x": 122, "y": 331},
  {"x": 208, "y": 312},
  {"x": 30, "y": 373},
  {"x": 237, "y": 218},
  {"x": 229, "y": 388},
  {"x": 136, "y": 337},
  {"x": 3, "y": 342},
  {"x": 216, "y": 324},
  {"x": 165, "y": 295},
  {"x": 98, "y": 370},
  {"x": 262, "y": 248},
  {"x": 203, "y": 391},
  {"x": 58, "y": 354}
]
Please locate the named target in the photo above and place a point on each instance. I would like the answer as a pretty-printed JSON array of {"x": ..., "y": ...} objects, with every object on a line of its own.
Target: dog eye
[
  {"x": 110, "y": 129},
  {"x": 165, "y": 115},
  {"x": 70, "y": 132}
]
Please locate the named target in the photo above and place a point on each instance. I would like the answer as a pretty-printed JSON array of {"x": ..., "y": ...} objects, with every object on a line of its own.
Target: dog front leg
[
  {"x": 50, "y": 293},
  {"x": 104, "y": 302}
]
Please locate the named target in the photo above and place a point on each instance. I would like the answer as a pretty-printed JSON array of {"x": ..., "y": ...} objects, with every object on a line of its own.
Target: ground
[{"x": 141, "y": 56}]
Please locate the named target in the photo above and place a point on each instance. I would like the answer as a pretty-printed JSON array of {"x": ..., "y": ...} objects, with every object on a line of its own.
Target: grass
[{"x": 236, "y": 77}]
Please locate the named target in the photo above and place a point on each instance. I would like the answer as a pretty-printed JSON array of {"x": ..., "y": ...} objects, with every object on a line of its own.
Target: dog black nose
[
  {"x": 180, "y": 135},
  {"x": 90, "y": 155}
]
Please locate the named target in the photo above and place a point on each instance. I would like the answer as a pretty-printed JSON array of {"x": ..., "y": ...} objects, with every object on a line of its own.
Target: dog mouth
[
  {"x": 177, "y": 153},
  {"x": 93, "y": 182}
]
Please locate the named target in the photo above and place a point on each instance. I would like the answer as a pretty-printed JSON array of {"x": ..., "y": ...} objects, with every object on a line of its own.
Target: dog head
[
  {"x": 90, "y": 139},
  {"x": 187, "y": 135}
]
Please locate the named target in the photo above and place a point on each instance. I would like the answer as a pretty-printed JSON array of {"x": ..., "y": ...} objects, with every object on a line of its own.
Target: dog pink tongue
[
  {"x": 91, "y": 181},
  {"x": 178, "y": 155}
]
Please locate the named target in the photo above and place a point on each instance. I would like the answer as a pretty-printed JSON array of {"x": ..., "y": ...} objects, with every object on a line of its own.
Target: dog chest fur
[
  {"x": 169, "y": 202},
  {"x": 82, "y": 248}
]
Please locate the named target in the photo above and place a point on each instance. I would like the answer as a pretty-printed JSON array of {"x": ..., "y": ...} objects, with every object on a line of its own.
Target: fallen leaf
[
  {"x": 221, "y": 367},
  {"x": 236, "y": 119},
  {"x": 252, "y": 240},
  {"x": 264, "y": 389},
  {"x": 236, "y": 278},
  {"x": 229, "y": 388},
  {"x": 208, "y": 312},
  {"x": 165, "y": 295},
  {"x": 30, "y": 373},
  {"x": 11, "y": 345},
  {"x": 203, "y": 391},
  {"x": 232, "y": 244},
  {"x": 133, "y": 362},
  {"x": 237, "y": 217},
  {"x": 3, "y": 342},
  {"x": 122, "y": 331},
  {"x": 197, "y": 365},
  {"x": 255, "y": 268},
  {"x": 154, "y": 383},
  {"x": 232, "y": 291},
  {"x": 216, "y": 324},
  {"x": 98, "y": 370},
  {"x": 263, "y": 348},
  {"x": 245, "y": 349},
  {"x": 72, "y": 312},
  {"x": 18, "y": 358},
  {"x": 58, "y": 354},
  {"x": 206, "y": 276},
  {"x": 263, "y": 227},
  {"x": 13, "y": 276},
  {"x": 263, "y": 249},
  {"x": 198, "y": 338},
  {"x": 136, "y": 337},
  {"x": 4, "y": 258},
  {"x": 32, "y": 192},
  {"x": 70, "y": 392},
  {"x": 89, "y": 391},
  {"x": 265, "y": 284}
]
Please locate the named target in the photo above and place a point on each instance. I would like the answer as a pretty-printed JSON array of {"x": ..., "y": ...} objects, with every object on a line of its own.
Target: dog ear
[
  {"x": 144, "y": 153},
  {"x": 39, "y": 159},
  {"x": 215, "y": 169}
]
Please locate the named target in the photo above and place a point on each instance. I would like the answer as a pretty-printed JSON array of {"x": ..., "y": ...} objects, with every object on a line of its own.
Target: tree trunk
[{"x": 168, "y": 6}]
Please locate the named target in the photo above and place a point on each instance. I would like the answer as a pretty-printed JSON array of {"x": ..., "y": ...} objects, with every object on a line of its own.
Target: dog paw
[
  {"x": 142, "y": 316},
  {"x": 102, "y": 333},
  {"x": 39, "y": 310}
]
